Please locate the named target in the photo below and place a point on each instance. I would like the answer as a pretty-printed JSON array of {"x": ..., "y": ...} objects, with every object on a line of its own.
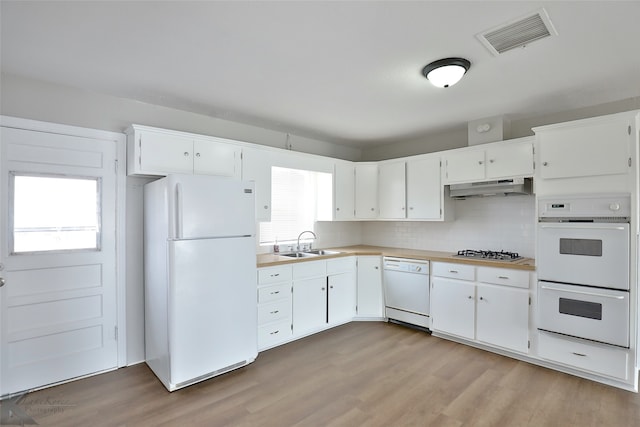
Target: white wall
[
  {"x": 34, "y": 99},
  {"x": 494, "y": 223}
]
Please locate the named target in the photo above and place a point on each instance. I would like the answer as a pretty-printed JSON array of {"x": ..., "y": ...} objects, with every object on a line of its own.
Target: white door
[
  {"x": 309, "y": 305},
  {"x": 344, "y": 191},
  {"x": 370, "y": 300},
  {"x": 366, "y": 189},
  {"x": 162, "y": 153},
  {"x": 341, "y": 298},
  {"x": 502, "y": 317},
  {"x": 216, "y": 158},
  {"x": 509, "y": 160},
  {"x": 463, "y": 166},
  {"x": 423, "y": 188},
  {"x": 391, "y": 190},
  {"x": 57, "y": 258},
  {"x": 453, "y": 307}
]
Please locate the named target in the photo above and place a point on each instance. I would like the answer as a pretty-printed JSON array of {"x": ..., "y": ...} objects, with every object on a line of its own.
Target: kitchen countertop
[{"x": 269, "y": 260}]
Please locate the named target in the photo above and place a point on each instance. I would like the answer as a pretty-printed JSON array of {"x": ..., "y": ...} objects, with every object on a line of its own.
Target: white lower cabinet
[
  {"x": 370, "y": 301},
  {"x": 496, "y": 314},
  {"x": 299, "y": 299},
  {"x": 274, "y": 306},
  {"x": 589, "y": 356}
]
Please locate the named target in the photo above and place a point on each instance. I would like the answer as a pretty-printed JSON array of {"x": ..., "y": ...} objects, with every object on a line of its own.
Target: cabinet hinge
[
  {"x": 292, "y": 327},
  {"x": 115, "y": 166},
  {"x": 629, "y": 129},
  {"x": 528, "y": 344},
  {"x": 529, "y": 300},
  {"x": 534, "y": 165},
  {"x": 115, "y": 333},
  {"x": 629, "y": 161}
]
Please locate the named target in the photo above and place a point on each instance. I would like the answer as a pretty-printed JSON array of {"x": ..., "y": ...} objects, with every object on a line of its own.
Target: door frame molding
[{"x": 121, "y": 188}]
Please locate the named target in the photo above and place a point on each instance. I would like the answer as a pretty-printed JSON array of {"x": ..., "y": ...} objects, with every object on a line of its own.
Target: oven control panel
[{"x": 585, "y": 206}]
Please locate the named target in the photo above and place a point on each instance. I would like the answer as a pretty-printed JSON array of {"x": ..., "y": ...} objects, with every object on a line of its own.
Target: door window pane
[{"x": 54, "y": 213}]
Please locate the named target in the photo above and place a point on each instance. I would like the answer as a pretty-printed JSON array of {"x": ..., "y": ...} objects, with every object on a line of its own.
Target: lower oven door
[
  {"x": 584, "y": 312},
  {"x": 592, "y": 254}
]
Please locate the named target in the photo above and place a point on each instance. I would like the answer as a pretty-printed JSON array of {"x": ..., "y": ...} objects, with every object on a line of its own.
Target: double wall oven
[{"x": 583, "y": 267}]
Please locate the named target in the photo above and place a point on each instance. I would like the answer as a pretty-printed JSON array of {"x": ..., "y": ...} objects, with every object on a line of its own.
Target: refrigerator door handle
[{"x": 178, "y": 212}]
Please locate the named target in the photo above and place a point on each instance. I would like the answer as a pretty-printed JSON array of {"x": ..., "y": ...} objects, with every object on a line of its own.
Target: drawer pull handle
[
  {"x": 275, "y": 312},
  {"x": 503, "y": 277},
  {"x": 275, "y": 292},
  {"x": 453, "y": 271},
  {"x": 275, "y": 275},
  {"x": 274, "y": 332},
  {"x": 579, "y": 354}
]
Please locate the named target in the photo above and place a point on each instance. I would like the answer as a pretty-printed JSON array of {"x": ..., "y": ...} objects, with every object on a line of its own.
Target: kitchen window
[
  {"x": 54, "y": 213},
  {"x": 298, "y": 199}
]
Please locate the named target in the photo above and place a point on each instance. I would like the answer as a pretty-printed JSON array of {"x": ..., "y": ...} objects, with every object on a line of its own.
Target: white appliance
[
  {"x": 406, "y": 290},
  {"x": 583, "y": 267},
  {"x": 200, "y": 273}
]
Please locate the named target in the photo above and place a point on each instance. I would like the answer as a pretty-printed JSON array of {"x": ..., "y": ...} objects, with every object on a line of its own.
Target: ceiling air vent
[{"x": 518, "y": 33}]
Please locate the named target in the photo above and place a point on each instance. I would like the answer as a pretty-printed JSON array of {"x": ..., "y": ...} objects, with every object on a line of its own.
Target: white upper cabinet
[
  {"x": 464, "y": 166},
  {"x": 344, "y": 191},
  {"x": 256, "y": 167},
  {"x": 591, "y": 147},
  {"x": 505, "y": 159},
  {"x": 509, "y": 160},
  {"x": 424, "y": 190},
  {"x": 366, "y": 186},
  {"x": 391, "y": 190},
  {"x": 160, "y": 152}
]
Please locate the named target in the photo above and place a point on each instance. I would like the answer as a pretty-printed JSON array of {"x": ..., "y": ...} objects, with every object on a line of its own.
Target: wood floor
[{"x": 359, "y": 374}]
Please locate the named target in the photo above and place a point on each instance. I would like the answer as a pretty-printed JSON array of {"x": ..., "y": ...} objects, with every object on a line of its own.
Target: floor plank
[{"x": 362, "y": 373}]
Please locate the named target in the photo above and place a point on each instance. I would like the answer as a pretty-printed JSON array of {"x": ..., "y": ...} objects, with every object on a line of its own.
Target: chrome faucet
[{"x": 300, "y": 235}]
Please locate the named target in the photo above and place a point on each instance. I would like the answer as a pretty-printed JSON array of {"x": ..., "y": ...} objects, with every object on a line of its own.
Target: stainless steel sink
[
  {"x": 322, "y": 252},
  {"x": 310, "y": 254},
  {"x": 300, "y": 255}
]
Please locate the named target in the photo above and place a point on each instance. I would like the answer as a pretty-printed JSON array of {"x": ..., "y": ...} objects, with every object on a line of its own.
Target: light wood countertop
[{"x": 270, "y": 260}]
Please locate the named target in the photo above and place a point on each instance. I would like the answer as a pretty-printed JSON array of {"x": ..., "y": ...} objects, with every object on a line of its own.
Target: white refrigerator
[{"x": 200, "y": 277}]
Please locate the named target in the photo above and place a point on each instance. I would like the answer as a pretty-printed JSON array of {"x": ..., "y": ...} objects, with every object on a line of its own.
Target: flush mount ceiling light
[{"x": 446, "y": 72}]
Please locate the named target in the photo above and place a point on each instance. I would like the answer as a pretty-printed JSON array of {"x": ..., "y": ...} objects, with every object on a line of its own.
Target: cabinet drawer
[
  {"x": 453, "y": 271},
  {"x": 504, "y": 276},
  {"x": 271, "y": 334},
  {"x": 274, "y": 274},
  {"x": 273, "y": 293},
  {"x": 274, "y": 311},
  {"x": 598, "y": 358},
  {"x": 341, "y": 265},
  {"x": 305, "y": 269}
]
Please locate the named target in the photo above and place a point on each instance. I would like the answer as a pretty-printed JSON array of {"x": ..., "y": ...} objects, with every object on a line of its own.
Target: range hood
[{"x": 502, "y": 187}]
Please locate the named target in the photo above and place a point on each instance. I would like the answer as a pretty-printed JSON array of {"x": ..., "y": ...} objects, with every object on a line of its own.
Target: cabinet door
[
  {"x": 600, "y": 148},
  {"x": 453, "y": 307},
  {"x": 256, "y": 167},
  {"x": 366, "y": 191},
  {"x": 341, "y": 298},
  {"x": 369, "y": 291},
  {"x": 424, "y": 192},
  {"x": 309, "y": 305},
  {"x": 509, "y": 160},
  {"x": 162, "y": 154},
  {"x": 503, "y": 317},
  {"x": 391, "y": 190},
  {"x": 216, "y": 158},
  {"x": 464, "y": 166},
  {"x": 344, "y": 191}
]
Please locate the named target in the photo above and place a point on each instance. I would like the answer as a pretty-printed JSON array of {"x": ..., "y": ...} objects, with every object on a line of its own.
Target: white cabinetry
[
  {"x": 153, "y": 151},
  {"x": 589, "y": 147},
  {"x": 341, "y": 300},
  {"x": 309, "y": 305},
  {"x": 424, "y": 190},
  {"x": 344, "y": 191},
  {"x": 256, "y": 167},
  {"x": 391, "y": 190},
  {"x": 485, "y": 304},
  {"x": 366, "y": 190},
  {"x": 370, "y": 299},
  {"x": 505, "y": 159},
  {"x": 274, "y": 306}
]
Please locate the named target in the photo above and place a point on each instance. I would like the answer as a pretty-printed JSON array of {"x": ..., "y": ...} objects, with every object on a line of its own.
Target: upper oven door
[{"x": 595, "y": 254}]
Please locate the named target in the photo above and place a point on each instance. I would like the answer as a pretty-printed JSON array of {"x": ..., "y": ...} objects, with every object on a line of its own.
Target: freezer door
[
  {"x": 212, "y": 306},
  {"x": 205, "y": 206}
]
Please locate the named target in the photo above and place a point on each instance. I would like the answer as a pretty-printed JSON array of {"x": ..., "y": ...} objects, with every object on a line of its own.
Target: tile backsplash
[{"x": 494, "y": 223}]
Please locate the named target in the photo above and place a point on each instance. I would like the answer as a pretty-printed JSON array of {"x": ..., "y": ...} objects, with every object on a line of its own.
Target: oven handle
[
  {"x": 593, "y": 294},
  {"x": 577, "y": 227}
]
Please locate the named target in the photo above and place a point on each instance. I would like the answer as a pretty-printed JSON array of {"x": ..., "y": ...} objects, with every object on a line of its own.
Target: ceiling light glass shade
[{"x": 446, "y": 72}]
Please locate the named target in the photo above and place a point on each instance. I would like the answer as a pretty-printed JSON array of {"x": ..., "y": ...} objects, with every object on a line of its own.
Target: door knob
[{"x": 2, "y": 282}]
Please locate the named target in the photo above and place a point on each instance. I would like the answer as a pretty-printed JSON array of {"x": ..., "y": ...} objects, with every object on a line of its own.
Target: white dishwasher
[{"x": 406, "y": 290}]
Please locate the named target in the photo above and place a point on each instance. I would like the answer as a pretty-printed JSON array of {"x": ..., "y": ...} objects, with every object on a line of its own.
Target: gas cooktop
[{"x": 490, "y": 255}]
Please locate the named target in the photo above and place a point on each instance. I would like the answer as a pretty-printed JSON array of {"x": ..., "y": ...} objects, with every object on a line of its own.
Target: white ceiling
[{"x": 346, "y": 72}]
